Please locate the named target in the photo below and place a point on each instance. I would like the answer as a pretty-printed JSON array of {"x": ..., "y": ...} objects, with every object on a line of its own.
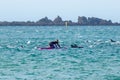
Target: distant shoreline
[{"x": 82, "y": 21}]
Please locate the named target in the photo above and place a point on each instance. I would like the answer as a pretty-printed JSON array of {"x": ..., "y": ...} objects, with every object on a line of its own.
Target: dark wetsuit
[{"x": 54, "y": 44}]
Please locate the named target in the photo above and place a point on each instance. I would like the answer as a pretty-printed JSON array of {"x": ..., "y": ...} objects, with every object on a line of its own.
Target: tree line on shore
[{"x": 82, "y": 21}]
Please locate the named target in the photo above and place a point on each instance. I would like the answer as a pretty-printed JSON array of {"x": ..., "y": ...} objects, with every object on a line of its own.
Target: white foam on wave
[{"x": 28, "y": 42}]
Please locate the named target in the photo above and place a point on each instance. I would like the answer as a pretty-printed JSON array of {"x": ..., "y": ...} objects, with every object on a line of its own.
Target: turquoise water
[{"x": 98, "y": 60}]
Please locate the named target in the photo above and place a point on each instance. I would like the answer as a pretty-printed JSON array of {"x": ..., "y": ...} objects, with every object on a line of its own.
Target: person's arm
[{"x": 58, "y": 45}]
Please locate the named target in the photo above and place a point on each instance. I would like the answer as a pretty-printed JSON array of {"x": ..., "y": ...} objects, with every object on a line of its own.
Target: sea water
[{"x": 98, "y": 60}]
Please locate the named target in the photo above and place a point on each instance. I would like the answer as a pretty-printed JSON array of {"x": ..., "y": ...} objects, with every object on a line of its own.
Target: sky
[{"x": 33, "y": 10}]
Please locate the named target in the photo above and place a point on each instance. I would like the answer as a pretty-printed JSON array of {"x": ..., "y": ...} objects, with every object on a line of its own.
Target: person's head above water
[{"x": 57, "y": 40}]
